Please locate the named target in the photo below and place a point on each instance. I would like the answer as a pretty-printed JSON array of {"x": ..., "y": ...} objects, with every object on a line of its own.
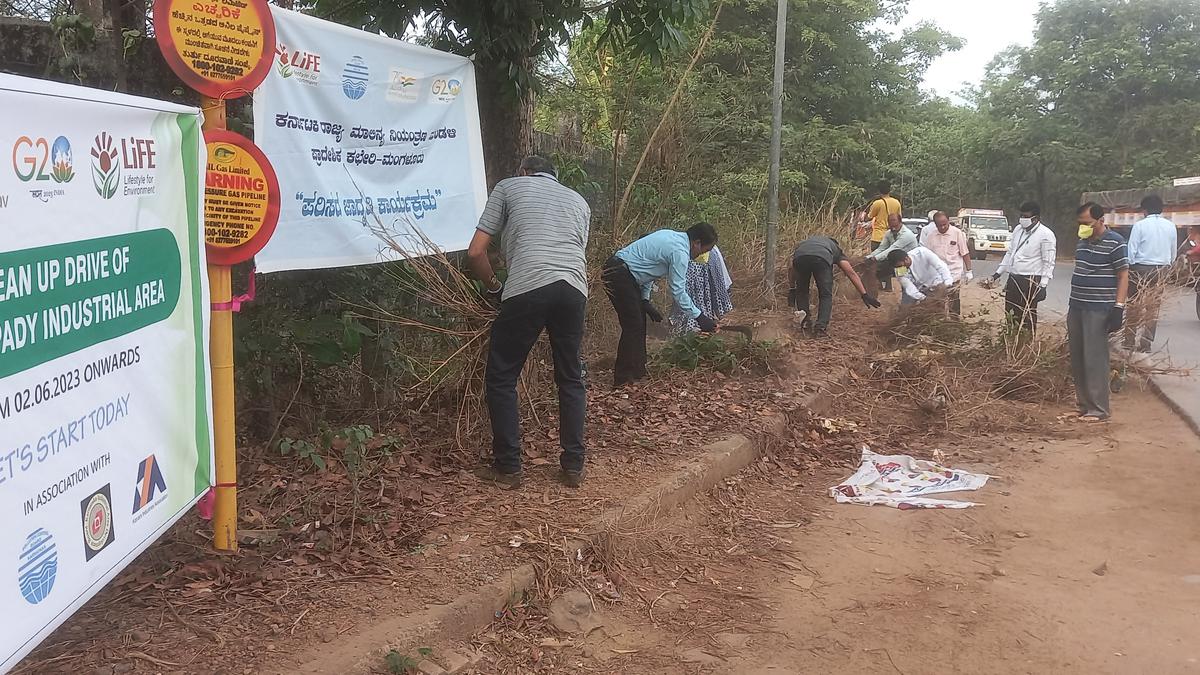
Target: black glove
[
  {"x": 1041, "y": 294},
  {"x": 793, "y": 297},
  {"x": 1116, "y": 319},
  {"x": 652, "y": 312},
  {"x": 871, "y": 301},
  {"x": 706, "y": 324},
  {"x": 996, "y": 276}
]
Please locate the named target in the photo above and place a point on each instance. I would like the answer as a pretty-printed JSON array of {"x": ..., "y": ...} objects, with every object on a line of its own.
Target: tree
[
  {"x": 508, "y": 37},
  {"x": 1106, "y": 97}
]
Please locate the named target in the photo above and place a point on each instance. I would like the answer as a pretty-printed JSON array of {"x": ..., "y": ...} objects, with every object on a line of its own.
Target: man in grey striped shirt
[{"x": 543, "y": 231}]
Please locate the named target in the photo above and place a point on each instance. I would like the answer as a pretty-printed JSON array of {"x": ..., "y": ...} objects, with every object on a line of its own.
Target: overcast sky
[{"x": 987, "y": 26}]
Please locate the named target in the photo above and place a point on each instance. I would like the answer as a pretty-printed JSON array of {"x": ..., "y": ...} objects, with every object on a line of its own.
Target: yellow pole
[{"x": 221, "y": 352}]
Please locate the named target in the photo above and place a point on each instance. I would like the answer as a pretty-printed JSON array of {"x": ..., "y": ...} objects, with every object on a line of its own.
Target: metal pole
[
  {"x": 776, "y": 150},
  {"x": 221, "y": 352}
]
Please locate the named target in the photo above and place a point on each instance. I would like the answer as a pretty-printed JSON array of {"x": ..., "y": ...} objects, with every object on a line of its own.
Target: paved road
[{"x": 1178, "y": 336}]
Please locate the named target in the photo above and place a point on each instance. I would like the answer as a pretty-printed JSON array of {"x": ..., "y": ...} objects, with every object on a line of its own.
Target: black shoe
[
  {"x": 572, "y": 479},
  {"x": 821, "y": 332},
  {"x": 504, "y": 481}
]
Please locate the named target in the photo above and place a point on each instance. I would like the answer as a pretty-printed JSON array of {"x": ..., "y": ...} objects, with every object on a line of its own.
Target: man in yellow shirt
[{"x": 881, "y": 209}]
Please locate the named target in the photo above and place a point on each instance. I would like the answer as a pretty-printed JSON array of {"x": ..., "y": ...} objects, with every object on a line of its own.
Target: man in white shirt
[
  {"x": 950, "y": 244},
  {"x": 1029, "y": 263},
  {"x": 920, "y": 272},
  {"x": 1153, "y": 243}
]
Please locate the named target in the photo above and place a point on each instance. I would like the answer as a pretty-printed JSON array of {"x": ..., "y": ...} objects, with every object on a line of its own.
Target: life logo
[
  {"x": 136, "y": 158},
  {"x": 293, "y": 63},
  {"x": 445, "y": 91},
  {"x": 151, "y": 488},
  {"x": 355, "y": 77},
  {"x": 37, "y": 566},
  {"x": 36, "y": 159},
  {"x": 96, "y": 510}
]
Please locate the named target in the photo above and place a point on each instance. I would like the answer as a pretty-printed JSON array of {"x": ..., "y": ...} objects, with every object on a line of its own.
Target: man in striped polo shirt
[
  {"x": 543, "y": 230},
  {"x": 1097, "y": 308}
]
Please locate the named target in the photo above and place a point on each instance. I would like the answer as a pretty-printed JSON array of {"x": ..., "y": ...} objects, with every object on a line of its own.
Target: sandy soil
[{"x": 1084, "y": 558}]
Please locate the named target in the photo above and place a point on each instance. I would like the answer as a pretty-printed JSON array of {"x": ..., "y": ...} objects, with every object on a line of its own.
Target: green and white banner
[{"x": 105, "y": 429}]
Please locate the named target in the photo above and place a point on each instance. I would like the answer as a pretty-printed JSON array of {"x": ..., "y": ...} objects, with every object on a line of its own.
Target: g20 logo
[{"x": 30, "y": 158}]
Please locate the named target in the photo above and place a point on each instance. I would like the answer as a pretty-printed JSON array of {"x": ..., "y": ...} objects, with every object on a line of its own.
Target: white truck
[{"x": 987, "y": 231}]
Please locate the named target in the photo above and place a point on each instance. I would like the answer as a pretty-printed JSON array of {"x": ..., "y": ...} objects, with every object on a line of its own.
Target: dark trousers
[
  {"x": 954, "y": 300},
  {"x": 1021, "y": 300},
  {"x": 626, "y": 297},
  {"x": 883, "y": 271},
  {"x": 808, "y": 268},
  {"x": 1145, "y": 296},
  {"x": 1087, "y": 337},
  {"x": 559, "y": 309}
]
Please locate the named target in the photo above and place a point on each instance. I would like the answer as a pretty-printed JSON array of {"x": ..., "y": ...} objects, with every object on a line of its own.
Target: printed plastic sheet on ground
[{"x": 901, "y": 482}]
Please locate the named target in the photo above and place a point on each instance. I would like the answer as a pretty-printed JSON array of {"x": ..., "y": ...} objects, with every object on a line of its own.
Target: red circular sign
[
  {"x": 220, "y": 48},
  {"x": 241, "y": 198}
]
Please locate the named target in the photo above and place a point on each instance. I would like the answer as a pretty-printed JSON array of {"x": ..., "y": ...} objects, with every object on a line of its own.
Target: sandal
[{"x": 1091, "y": 419}]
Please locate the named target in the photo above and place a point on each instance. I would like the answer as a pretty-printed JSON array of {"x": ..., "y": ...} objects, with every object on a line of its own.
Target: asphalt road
[{"x": 1177, "y": 342}]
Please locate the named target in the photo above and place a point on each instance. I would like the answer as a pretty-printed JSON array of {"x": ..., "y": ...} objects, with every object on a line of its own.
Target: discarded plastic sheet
[{"x": 901, "y": 482}]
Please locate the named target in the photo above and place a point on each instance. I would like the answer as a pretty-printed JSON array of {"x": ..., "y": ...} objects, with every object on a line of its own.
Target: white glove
[
  {"x": 970, "y": 276},
  {"x": 919, "y": 296},
  {"x": 1045, "y": 283}
]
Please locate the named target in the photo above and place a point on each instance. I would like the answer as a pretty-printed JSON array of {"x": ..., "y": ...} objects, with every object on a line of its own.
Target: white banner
[
  {"x": 105, "y": 431},
  {"x": 366, "y": 133}
]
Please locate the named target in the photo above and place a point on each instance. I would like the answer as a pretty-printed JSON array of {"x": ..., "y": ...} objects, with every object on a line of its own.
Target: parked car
[{"x": 915, "y": 224}]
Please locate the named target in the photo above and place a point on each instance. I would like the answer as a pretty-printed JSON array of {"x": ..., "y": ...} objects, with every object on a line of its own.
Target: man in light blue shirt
[
  {"x": 1153, "y": 243},
  {"x": 629, "y": 277}
]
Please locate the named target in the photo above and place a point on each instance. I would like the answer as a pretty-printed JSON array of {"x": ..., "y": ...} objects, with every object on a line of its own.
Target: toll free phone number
[{"x": 19, "y": 401}]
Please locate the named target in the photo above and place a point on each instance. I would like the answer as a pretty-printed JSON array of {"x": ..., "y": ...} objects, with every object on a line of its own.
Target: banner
[
  {"x": 367, "y": 135},
  {"x": 105, "y": 432}
]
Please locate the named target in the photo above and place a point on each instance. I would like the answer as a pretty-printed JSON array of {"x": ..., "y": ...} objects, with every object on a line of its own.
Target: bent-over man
[
  {"x": 543, "y": 230},
  {"x": 920, "y": 272},
  {"x": 629, "y": 277},
  {"x": 814, "y": 260}
]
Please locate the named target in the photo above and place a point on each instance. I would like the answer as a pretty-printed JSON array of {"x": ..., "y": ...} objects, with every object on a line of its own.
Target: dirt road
[{"x": 1085, "y": 558}]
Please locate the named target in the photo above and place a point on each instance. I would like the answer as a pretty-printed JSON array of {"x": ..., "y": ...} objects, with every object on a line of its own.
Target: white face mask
[{"x": 1025, "y": 222}]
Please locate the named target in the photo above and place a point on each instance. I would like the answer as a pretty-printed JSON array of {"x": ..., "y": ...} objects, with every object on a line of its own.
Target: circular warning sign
[
  {"x": 241, "y": 198},
  {"x": 220, "y": 48}
]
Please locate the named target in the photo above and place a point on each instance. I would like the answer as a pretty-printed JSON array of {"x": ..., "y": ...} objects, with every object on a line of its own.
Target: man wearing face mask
[
  {"x": 1029, "y": 263},
  {"x": 629, "y": 276},
  {"x": 920, "y": 272},
  {"x": 1099, "y": 287},
  {"x": 949, "y": 243}
]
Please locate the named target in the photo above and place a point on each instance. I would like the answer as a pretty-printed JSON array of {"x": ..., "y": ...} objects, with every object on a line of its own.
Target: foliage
[
  {"x": 695, "y": 351},
  {"x": 508, "y": 35},
  {"x": 1106, "y": 97}
]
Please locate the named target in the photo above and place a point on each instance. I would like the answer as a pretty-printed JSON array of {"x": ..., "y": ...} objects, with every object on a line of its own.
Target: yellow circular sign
[
  {"x": 241, "y": 198},
  {"x": 220, "y": 48}
]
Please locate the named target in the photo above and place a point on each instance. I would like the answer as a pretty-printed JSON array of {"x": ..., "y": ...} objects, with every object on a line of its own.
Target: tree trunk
[{"x": 506, "y": 119}]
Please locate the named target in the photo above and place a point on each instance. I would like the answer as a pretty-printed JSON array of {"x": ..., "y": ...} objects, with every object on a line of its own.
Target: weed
[
  {"x": 400, "y": 664},
  {"x": 713, "y": 352}
]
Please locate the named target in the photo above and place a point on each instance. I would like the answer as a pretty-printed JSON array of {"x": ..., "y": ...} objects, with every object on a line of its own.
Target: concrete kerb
[
  {"x": 365, "y": 651},
  {"x": 1188, "y": 416}
]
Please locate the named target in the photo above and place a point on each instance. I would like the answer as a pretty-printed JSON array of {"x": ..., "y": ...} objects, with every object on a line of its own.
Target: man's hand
[
  {"x": 706, "y": 324},
  {"x": 652, "y": 312},
  {"x": 919, "y": 297},
  {"x": 871, "y": 301},
  {"x": 969, "y": 276},
  {"x": 1116, "y": 318}
]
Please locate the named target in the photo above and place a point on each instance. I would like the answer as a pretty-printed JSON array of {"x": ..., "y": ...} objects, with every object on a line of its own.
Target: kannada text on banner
[{"x": 366, "y": 134}]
